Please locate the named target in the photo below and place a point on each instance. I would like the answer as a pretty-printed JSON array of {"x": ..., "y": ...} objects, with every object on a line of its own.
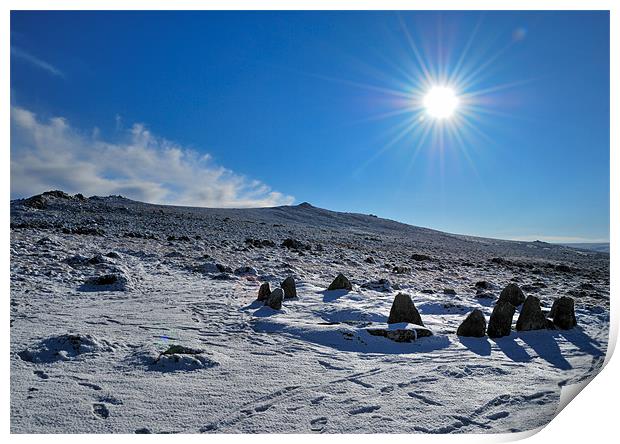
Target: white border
[{"x": 591, "y": 418}]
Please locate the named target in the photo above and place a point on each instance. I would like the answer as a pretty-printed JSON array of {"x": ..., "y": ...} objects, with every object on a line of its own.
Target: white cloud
[
  {"x": 53, "y": 155},
  {"x": 35, "y": 61}
]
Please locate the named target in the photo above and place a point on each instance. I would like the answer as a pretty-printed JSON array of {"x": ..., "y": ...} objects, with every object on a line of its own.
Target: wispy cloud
[
  {"x": 559, "y": 239},
  {"x": 142, "y": 166},
  {"x": 35, "y": 61}
]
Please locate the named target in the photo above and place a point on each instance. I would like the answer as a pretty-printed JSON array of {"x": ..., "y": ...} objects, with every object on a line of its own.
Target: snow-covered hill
[{"x": 129, "y": 317}]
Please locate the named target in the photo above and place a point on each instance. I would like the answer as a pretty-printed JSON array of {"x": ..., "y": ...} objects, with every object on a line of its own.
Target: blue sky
[{"x": 266, "y": 108}]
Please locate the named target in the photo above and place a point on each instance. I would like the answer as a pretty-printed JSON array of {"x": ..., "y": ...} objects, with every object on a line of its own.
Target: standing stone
[
  {"x": 563, "y": 313},
  {"x": 474, "y": 325},
  {"x": 403, "y": 310},
  {"x": 264, "y": 291},
  {"x": 513, "y": 294},
  {"x": 500, "y": 321},
  {"x": 288, "y": 285},
  {"x": 275, "y": 299},
  {"x": 531, "y": 316},
  {"x": 340, "y": 283}
]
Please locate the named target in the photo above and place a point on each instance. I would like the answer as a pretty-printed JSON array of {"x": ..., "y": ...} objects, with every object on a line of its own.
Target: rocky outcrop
[
  {"x": 563, "y": 313},
  {"x": 340, "y": 283},
  {"x": 512, "y": 294},
  {"x": 288, "y": 285},
  {"x": 275, "y": 299},
  {"x": 401, "y": 334},
  {"x": 403, "y": 310},
  {"x": 531, "y": 316},
  {"x": 474, "y": 325},
  {"x": 263, "y": 292},
  {"x": 500, "y": 321}
]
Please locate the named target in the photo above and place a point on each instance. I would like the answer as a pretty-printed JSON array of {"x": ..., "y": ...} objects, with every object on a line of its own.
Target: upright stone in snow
[
  {"x": 275, "y": 299},
  {"x": 531, "y": 316},
  {"x": 474, "y": 325},
  {"x": 340, "y": 283},
  {"x": 500, "y": 321},
  {"x": 288, "y": 285},
  {"x": 513, "y": 294},
  {"x": 403, "y": 310},
  {"x": 263, "y": 292},
  {"x": 563, "y": 313}
]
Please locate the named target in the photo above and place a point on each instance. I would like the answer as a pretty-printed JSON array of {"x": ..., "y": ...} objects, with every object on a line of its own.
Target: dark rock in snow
[
  {"x": 106, "y": 282},
  {"x": 420, "y": 257},
  {"x": 399, "y": 269},
  {"x": 406, "y": 334},
  {"x": 563, "y": 313},
  {"x": 500, "y": 321},
  {"x": 288, "y": 285},
  {"x": 340, "y": 283},
  {"x": 246, "y": 271},
  {"x": 512, "y": 294},
  {"x": 370, "y": 260},
  {"x": 474, "y": 325},
  {"x": 531, "y": 316},
  {"x": 87, "y": 231},
  {"x": 450, "y": 291},
  {"x": 294, "y": 244},
  {"x": 382, "y": 285},
  {"x": 403, "y": 310},
  {"x": 275, "y": 299},
  {"x": 483, "y": 285},
  {"x": 259, "y": 243},
  {"x": 563, "y": 268},
  {"x": 481, "y": 294},
  {"x": 223, "y": 277},
  {"x": 263, "y": 292}
]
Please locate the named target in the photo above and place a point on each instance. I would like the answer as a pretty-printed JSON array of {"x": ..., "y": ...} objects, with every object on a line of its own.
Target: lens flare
[{"x": 440, "y": 102}]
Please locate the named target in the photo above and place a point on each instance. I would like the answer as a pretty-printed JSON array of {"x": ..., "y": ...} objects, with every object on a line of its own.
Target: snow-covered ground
[{"x": 87, "y": 348}]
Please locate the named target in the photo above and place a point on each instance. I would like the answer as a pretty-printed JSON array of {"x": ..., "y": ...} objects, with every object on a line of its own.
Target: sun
[{"x": 440, "y": 102}]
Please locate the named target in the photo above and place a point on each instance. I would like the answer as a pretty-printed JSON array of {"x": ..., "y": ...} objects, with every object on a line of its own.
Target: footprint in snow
[
  {"x": 100, "y": 410},
  {"x": 90, "y": 385},
  {"x": 41, "y": 374},
  {"x": 317, "y": 424},
  {"x": 365, "y": 409}
]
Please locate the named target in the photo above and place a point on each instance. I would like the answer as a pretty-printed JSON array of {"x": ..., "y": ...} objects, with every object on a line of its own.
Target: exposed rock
[
  {"x": 264, "y": 291},
  {"x": 223, "y": 277},
  {"x": 400, "y": 269},
  {"x": 382, "y": 285},
  {"x": 275, "y": 299},
  {"x": 531, "y": 316},
  {"x": 87, "y": 231},
  {"x": 340, "y": 283},
  {"x": 246, "y": 271},
  {"x": 259, "y": 243},
  {"x": 408, "y": 333},
  {"x": 481, "y": 294},
  {"x": 420, "y": 257},
  {"x": 513, "y": 294},
  {"x": 403, "y": 310},
  {"x": 449, "y": 291},
  {"x": 474, "y": 325},
  {"x": 106, "y": 282},
  {"x": 288, "y": 285},
  {"x": 223, "y": 268},
  {"x": 500, "y": 321},
  {"x": 483, "y": 285},
  {"x": 563, "y": 313},
  {"x": 294, "y": 244},
  {"x": 370, "y": 260},
  {"x": 563, "y": 268}
]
